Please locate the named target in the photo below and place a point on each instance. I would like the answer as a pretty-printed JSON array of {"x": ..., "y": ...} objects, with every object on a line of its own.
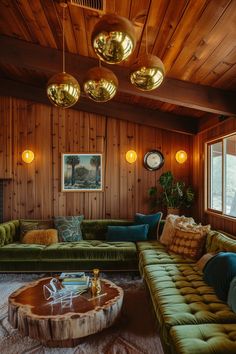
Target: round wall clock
[{"x": 153, "y": 160}]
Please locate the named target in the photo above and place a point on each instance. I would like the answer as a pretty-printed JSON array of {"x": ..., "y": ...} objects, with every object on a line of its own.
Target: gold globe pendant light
[
  {"x": 113, "y": 38},
  {"x": 100, "y": 84},
  {"x": 63, "y": 89},
  {"x": 148, "y": 71}
]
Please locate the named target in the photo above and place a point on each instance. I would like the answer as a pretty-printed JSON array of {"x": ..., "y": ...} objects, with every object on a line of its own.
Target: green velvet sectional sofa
[
  {"x": 93, "y": 251},
  {"x": 191, "y": 318}
]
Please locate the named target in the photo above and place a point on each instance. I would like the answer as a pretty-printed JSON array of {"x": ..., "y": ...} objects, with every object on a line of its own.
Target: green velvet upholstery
[
  {"x": 204, "y": 339},
  {"x": 192, "y": 319},
  {"x": 154, "y": 252},
  {"x": 150, "y": 245},
  {"x": 217, "y": 242},
  {"x": 9, "y": 232},
  {"x": 180, "y": 296},
  {"x": 22, "y": 251},
  {"x": 160, "y": 257},
  {"x": 95, "y": 250},
  {"x": 97, "y": 229}
]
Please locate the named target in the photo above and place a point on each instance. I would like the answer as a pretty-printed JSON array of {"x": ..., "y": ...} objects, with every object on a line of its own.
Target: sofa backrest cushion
[
  {"x": 133, "y": 233},
  {"x": 9, "y": 232},
  {"x": 153, "y": 220},
  {"x": 217, "y": 242},
  {"x": 97, "y": 229}
]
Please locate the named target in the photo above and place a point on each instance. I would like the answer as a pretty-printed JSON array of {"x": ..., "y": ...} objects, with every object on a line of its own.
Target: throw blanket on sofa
[{"x": 219, "y": 272}]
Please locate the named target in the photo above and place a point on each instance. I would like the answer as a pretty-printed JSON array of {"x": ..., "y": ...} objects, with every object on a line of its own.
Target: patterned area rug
[{"x": 134, "y": 333}]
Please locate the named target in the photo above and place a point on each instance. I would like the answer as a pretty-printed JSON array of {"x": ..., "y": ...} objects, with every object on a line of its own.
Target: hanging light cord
[
  {"x": 146, "y": 44},
  {"x": 63, "y": 39}
]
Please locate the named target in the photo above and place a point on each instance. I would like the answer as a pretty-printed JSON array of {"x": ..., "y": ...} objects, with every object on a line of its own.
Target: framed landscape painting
[{"x": 81, "y": 172}]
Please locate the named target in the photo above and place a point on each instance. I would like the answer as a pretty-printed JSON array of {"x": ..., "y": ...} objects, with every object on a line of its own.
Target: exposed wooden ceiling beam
[
  {"x": 113, "y": 109},
  {"x": 31, "y": 56}
]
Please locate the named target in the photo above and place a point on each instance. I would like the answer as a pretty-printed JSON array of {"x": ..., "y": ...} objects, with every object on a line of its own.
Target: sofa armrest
[
  {"x": 2, "y": 236},
  {"x": 9, "y": 232}
]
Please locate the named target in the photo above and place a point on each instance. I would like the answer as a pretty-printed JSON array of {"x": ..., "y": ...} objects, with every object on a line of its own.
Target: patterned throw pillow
[
  {"x": 173, "y": 221},
  {"x": 69, "y": 228},
  {"x": 41, "y": 237},
  {"x": 189, "y": 244},
  {"x": 28, "y": 225}
]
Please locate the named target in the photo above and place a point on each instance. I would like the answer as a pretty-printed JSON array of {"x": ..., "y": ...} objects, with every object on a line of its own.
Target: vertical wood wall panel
[
  {"x": 217, "y": 222},
  {"x": 35, "y": 189},
  {"x": 5, "y": 137}
]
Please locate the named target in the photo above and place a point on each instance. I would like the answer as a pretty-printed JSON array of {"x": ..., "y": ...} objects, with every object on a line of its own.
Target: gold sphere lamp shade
[
  {"x": 100, "y": 84},
  {"x": 27, "y": 156},
  {"x": 131, "y": 156},
  {"x": 113, "y": 38},
  {"x": 181, "y": 156},
  {"x": 63, "y": 90},
  {"x": 147, "y": 73}
]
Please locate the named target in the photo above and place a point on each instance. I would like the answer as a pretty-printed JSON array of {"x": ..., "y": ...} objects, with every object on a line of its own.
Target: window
[{"x": 222, "y": 176}]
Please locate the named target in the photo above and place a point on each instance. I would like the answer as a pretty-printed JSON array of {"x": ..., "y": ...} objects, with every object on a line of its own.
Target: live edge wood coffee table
[{"x": 58, "y": 326}]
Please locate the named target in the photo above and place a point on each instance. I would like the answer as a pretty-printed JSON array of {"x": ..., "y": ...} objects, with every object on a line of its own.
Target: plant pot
[{"x": 174, "y": 211}]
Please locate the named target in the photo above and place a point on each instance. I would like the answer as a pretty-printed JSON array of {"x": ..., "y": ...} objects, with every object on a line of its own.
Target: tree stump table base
[{"x": 58, "y": 326}]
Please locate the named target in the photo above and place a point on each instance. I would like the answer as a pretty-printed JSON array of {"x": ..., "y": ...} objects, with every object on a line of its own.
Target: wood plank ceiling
[{"x": 196, "y": 40}]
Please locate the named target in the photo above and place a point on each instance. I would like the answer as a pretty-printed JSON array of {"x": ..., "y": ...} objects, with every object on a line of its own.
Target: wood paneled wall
[
  {"x": 216, "y": 221},
  {"x": 35, "y": 189},
  {"x": 5, "y": 138}
]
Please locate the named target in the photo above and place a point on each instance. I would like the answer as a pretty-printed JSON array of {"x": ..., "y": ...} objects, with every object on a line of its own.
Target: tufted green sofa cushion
[
  {"x": 154, "y": 252},
  {"x": 180, "y": 296},
  {"x": 22, "y": 251},
  {"x": 204, "y": 339},
  {"x": 93, "y": 249},
  {"x": 160, "y": 257},
  {"x": 150, "y": 245}
]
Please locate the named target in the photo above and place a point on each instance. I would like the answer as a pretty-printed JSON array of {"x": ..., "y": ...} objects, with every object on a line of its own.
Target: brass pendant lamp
[
  {"x": 148, "y": 71},
  {"x": 113, "y": 38},
  {"x": 100, "y": 84},
  {"x": 63, "y": 89}
]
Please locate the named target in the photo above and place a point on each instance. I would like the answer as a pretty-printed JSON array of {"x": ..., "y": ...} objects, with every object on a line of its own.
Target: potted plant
[{"x": 174, "y": 195}]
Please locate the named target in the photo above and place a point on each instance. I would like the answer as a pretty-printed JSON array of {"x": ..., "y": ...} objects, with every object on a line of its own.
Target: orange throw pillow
[
  {"x": 41, "y": 237},
  {"x": 189, "y": 244}
]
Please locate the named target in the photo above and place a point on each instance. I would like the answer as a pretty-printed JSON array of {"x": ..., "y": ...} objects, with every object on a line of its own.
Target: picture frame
[{"x": 81, "y": 172}]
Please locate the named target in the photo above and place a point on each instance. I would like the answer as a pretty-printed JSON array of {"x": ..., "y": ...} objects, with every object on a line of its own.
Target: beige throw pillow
[{"x": 173, "y": 221}]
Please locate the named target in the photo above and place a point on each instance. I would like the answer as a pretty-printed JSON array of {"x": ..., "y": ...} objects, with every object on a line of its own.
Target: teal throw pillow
[
  {"x": 131, "y": 233},
  {"x": 219, "y": 272},
  {"x": 153, "y": 220},
  {"x": 232, "y": 295},
  {"x": 68, "y": 228}
]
